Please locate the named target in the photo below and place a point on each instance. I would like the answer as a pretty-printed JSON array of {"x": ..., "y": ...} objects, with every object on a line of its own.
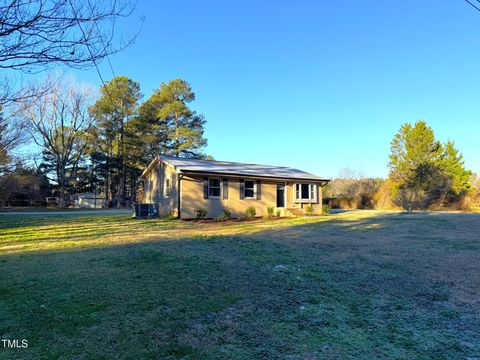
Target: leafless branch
[
  {"x": 35, "y": 34},
  {"x": 56, "y": 123}
]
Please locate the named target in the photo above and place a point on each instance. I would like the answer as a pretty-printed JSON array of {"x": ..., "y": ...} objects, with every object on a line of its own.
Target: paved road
[{"x": 66, "y": 212}]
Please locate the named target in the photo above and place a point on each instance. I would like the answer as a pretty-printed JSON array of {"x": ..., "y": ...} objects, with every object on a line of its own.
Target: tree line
[
  {"x": 424, "y": 174},
  {"x": 96, "y": 143}
]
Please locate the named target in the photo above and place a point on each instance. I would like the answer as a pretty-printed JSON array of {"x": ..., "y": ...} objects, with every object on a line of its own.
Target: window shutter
[
  {"x": 205, "y": 187},
  {"x": 242, "y": 188},
  {"x": 259, "y": 190},
  {"x": 225, "y": 188}
]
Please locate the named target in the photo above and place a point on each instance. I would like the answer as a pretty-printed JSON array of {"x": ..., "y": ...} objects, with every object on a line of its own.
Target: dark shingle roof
[{"x": 233, "y": 168}]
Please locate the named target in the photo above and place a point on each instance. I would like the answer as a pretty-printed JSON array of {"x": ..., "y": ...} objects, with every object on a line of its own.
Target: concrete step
[{"x": 295, "y": 212}]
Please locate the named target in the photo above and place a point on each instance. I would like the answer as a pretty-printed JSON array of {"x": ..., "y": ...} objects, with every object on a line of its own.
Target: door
[{"x": 280, "y": 195}]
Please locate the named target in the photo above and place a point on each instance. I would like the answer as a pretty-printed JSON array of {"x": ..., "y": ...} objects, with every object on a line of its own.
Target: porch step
[{"x": 295, "y": 212}]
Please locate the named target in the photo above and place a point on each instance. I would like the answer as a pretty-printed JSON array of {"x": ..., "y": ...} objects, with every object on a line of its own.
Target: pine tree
[
  {"x": 414, "y": 165},
  {"x": 452, "y": 166},
  {"x": 413, "y": 151},
  {"x": 424, "y": 171},
  {"x": 184, "y": 126},
  {"x": 117, "y": 105}
]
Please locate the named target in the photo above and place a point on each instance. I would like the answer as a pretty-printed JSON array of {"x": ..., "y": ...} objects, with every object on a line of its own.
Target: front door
[{"x": 280, "y": 195}]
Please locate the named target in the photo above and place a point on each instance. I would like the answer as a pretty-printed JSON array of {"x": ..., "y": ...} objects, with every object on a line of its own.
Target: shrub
[
  {"x": 384, "y": 195},
  {"x": 251, "y": 212},
  {"x": 270, "y": 212},
  {"x": 277, "y": 214},
  {"x": 352, "y": 191},
  {"x": 410, "y": 198},
  {"x": 309, "y": 210},
  {"x": 326, "y": 209},
  {"x": 201, "y": 213},
  {"x": 225, "y": 215}
]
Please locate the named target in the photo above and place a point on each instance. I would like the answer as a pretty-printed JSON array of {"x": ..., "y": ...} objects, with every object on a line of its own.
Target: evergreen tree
[
  {"x": 452, "y": 166},
  {"x": 184, "y": 126},
  {"x": 414, "y": 166},
  {"x": 414, "y": 152},
  {"x": 423, "y": 170},
  {"x": 117, "y": 105}
]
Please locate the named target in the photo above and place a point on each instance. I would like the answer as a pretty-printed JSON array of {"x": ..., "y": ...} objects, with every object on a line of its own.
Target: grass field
[{"x": 358, "y": 285}]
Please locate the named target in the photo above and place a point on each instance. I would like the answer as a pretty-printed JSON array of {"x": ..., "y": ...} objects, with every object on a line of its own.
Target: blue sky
[{"x": 317, "y": 85}]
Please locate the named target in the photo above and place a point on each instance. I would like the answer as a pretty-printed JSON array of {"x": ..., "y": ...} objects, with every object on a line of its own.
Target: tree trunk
[
  {"x": 107, "y": 178},
  {"x": 61, "y": 183},
  {"x": 177, "y": 152},
  {"x": 61, "y": 197},
  {"x": 121, "y": 187},
  {"x": 122, "y": 176}
]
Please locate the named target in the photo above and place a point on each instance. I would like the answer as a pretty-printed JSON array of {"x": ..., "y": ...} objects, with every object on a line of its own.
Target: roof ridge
[{"x": 229, "y": 162}]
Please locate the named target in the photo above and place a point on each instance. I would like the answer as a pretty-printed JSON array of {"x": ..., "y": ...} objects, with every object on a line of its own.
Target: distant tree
[
  {"x": 57, "y": 123},
  {"x": 12, "y": 134},
  {"x": 351, "y": 189},
  {"x": 414, "y": 165},
  {"x": 23, "y": 186},
  {"x": 424, "y": 171},
  {"x": 346, "y": 184},
  {"x": 117, "y": 105},
  {"x": 452, "y": 165},
  {"x": 413, "y": 148}
]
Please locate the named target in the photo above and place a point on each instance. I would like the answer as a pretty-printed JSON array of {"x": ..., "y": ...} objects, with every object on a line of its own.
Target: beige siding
[
  {"x": 291, "y": 203},
  {"x": 192, "y": 198},
  {"x": 156, "y": 190}
]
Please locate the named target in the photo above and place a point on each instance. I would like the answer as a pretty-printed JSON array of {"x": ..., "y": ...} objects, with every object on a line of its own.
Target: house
[
  {"x": 89, "y": 200},
  {"x": 181, "y": 186}
]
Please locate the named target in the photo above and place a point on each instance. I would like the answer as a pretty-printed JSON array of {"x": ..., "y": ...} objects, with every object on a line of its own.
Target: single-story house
[
  {"x": 89, "y": 200},
  {"x": 181, "y": 186}
]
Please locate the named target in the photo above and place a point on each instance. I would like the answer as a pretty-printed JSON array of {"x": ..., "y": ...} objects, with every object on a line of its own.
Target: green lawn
[{"x": 359, "y": 285}]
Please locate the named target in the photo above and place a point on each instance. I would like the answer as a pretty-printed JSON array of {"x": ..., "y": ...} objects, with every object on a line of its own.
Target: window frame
[
  {"x": 219, "y": 188},
  {"x": 312, "y": 190},
  {"x": 254, "y": 197}
]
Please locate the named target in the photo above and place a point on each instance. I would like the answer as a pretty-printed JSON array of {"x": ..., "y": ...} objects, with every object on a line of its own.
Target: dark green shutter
[
  {"x": 225, "y": 188},
  {"x": 242, "y": 188},
  {"x": 205, "y": 187},
  {"x": 259, "y": 190}
]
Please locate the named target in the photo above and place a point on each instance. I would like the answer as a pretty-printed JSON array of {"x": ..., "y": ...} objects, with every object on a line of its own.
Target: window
[
  {"x": 305, "y": 192},
  {"x": 249, "y": 189},
  {"x": 213, "y": 188},
  {"x": 167, "y": 187}
]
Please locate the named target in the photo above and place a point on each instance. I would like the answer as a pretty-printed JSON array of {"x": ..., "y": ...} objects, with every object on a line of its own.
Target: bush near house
[
  {"x": 309, "y": 210},
  {"x": 251, "y": 212},
  {"x": 270, "y": 212},
  {"x": 201, "y": 213},
  {"x": 225, "y": 215}
]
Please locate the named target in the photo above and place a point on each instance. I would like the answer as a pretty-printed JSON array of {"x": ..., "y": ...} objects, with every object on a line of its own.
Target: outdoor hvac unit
[{"x": 146, "y": 210}]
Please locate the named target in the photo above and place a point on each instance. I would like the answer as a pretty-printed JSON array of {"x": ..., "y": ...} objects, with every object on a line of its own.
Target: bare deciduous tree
[
  {"x": 12, "y": 134},
  {"x": 411, "y": 198},
  {"x": 57, "y": 122}
]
